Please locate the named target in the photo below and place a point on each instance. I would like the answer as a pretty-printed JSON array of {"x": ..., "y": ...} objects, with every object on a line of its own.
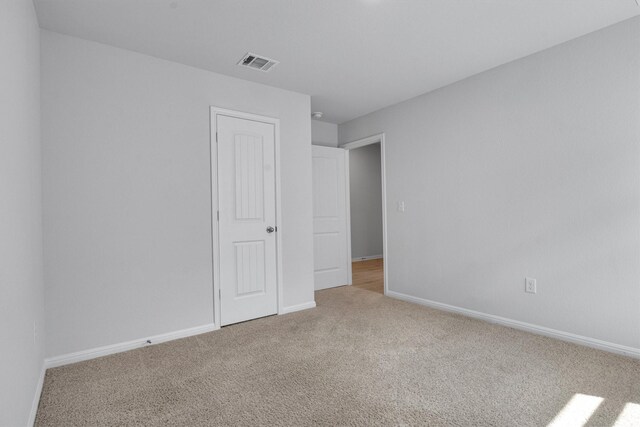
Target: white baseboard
[
  {"x": 366, "y": 258},
  {"x": 36, "y": 396},
  {"x": 528, "y": 327},
  {"x": 93, "y": 353},
  {"x": 298, "y": 307},
  {"x": 80, "y": 356}
]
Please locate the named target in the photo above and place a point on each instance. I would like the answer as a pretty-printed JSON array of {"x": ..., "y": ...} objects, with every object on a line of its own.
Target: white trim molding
[
  {"x": 373, "y": 139},
  {"x": 347, "y": 197},
  {"x": 523, "y": 326},
  {"x": 298, "y": 307},
  {"x": 366, "y": 258},
  {"x": 36, "y": 396},
  {"x": 106, "y": 350}
]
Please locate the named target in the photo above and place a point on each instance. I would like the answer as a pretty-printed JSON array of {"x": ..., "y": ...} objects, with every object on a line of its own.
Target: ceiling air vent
[{"x": 251, "y": 60}]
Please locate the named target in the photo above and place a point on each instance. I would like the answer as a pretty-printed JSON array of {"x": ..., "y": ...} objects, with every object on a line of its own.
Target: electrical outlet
[
  {"x": 530, "y": 285},
  {"x": 401, "y": 207}
]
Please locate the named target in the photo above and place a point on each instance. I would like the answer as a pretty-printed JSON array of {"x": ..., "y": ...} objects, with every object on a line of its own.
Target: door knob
[{"x": 270, "y": 229}]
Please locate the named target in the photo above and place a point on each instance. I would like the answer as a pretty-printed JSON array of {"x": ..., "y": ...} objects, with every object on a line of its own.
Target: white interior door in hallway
[
  {"x": 331, "y": 242},
  {"x": 247, "y": 219}
]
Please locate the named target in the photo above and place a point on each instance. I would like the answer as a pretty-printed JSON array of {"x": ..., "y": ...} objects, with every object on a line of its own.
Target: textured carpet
[{"x": 359, "y": 358}]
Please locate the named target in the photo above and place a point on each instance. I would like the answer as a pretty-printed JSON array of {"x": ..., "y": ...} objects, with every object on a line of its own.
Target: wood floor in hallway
[{"x": 369, "y": 275}]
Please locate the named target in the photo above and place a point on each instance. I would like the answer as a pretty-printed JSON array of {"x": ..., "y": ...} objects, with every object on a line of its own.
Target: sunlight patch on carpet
[
  {"x": 629, "y": 417},
  {"x": 577, "y": 411}
]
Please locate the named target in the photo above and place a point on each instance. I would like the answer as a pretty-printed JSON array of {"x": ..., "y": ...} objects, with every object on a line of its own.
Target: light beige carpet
[{"x": 358, "y": 359}]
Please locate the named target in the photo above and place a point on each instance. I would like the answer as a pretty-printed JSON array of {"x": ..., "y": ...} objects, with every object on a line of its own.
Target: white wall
[
  {"x": 323, "y": 133},
  {"x": 365, "y": 188},
  {"x": 127, "y": 202},
  {"x": 529, "y": 169},
  {"x": 21, "y": 287}
]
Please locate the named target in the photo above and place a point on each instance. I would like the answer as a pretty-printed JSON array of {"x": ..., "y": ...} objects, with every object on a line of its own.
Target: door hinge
[
  {"x": 220, "y": 293},
  {"x": 216, "y": 137},
  {"x": 218, "y": 215}
]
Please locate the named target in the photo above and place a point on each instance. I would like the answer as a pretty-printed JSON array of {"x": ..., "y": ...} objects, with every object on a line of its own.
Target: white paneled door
[
  {"x": 330, "y": 204},
  {"x": 247, "y": 219}
]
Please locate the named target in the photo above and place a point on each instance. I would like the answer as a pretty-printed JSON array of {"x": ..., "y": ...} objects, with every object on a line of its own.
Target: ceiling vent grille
[{"x": 251, "y": 60}]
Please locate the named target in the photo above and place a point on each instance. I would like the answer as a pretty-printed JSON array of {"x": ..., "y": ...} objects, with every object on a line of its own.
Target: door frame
[
  {"x": 214, "y": 190},
  {"x": 373, "y": 139}
]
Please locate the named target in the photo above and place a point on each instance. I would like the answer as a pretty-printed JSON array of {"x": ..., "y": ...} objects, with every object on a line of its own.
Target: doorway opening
[{"x": 366, "y": 219}]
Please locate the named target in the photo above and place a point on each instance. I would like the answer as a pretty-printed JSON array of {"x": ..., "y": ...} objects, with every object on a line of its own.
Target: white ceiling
[{"x": 351, "y": 56}]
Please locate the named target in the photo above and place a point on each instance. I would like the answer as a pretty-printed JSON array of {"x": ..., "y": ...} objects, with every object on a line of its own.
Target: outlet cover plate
[{"x": 530, "y": 285}]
